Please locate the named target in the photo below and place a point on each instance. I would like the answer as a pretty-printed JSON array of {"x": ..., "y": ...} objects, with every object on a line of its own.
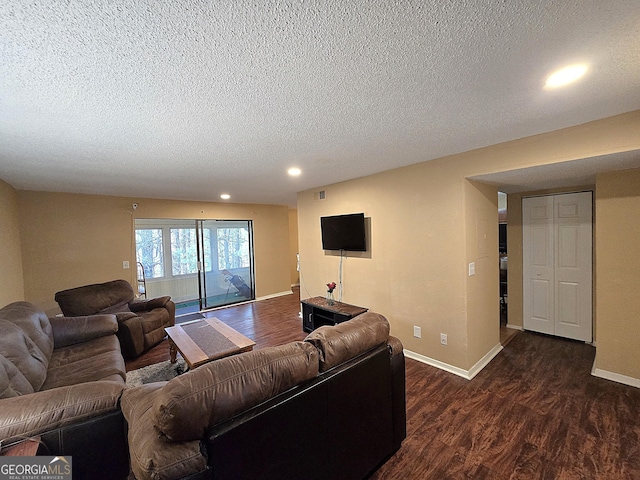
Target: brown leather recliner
[{"x": 141, "y": 322}]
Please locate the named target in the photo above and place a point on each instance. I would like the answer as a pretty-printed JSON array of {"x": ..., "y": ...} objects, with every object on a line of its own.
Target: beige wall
[
  {"x": 414, "y": 270},
  {"x": 483, "y": 288},
  {"x": 424, "y": 223},
  {"x": 618, "y": 263},
  {"x": 11, "y": 276},
  {"x": 293, "y": 246},
  {"x": 70, "y": 240}
]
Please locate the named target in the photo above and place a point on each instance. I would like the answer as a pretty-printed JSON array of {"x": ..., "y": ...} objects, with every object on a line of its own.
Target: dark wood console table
[{"x": 317, "y": 312}]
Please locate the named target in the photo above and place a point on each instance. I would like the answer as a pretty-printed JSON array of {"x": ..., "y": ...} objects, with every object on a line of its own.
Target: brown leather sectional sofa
[
  {"x": 330, "y": 407},
  {"x": 61, "y": 379}
]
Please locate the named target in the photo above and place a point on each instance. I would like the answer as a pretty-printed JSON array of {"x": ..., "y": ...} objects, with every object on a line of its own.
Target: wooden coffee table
[{"x": 202, "y": 341}]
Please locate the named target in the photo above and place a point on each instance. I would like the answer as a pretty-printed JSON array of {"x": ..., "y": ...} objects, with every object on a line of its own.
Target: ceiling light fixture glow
[
  {"x": 225, "y": 196},
  {"x": 294, "y": 171},
  {"x": 565, "y": 76}
]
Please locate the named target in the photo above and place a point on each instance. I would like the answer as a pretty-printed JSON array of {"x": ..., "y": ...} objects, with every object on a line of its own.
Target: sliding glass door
[
  {"x": 200, "y": 263},
  {"x": 225, "y": 262}
]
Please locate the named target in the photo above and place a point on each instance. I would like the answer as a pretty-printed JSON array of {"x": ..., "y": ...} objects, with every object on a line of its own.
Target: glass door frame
[
  {"x": 215, "y": 282},
  {"x": 206, "y": 284}
]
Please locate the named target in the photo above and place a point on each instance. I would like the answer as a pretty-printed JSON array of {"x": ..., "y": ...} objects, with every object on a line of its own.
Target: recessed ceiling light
[
  {"x": 294, "y": 171},
  {"x": 225, "y": 196},
  {"x": 565, "y": 75}
]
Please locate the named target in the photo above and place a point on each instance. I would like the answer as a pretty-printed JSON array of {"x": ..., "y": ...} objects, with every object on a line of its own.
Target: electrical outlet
[
  {"x": 125, "y": 264},
  {"x": 443, "y": 339},
  {"x": 417, "y": 332}
]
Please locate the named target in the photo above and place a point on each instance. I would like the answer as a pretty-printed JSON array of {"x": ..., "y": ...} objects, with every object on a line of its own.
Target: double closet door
[{"x": 557, "y": 264}]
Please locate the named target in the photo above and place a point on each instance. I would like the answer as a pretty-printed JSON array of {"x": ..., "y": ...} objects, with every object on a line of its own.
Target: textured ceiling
[
  {"x": 188, "y": 99},
  {"x": 580, "y": 172}
]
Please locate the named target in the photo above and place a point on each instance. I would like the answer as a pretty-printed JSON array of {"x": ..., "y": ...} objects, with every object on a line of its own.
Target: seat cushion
[
  {"x": 156, "y": 319},
  {"x": 45, "y": 411},
  {"x": 98, "y": 359},
  {"x": 347, "y": 340}
]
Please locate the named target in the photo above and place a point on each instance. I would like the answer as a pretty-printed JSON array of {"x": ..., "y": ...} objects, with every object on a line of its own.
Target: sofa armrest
[
  {"x": 344, "y": 341},
  {"x": 395, "y": 346},
  {"x": 37, "y": 413},
  {"x": 398, "y": 390},
  {"x": 142, "y": 305},
  {"x": 73, "y": 330},
  {"x": 152, "y": 455}
]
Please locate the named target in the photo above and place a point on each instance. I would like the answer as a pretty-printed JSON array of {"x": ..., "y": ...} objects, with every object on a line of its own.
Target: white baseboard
[
  {"x": 484, "y": 361},
  {"x": 515, "y": 327},
  {"x": 615, "y": 377},
  {"x": 467, "y": 374},
  {"x": 274, "y": 295}
]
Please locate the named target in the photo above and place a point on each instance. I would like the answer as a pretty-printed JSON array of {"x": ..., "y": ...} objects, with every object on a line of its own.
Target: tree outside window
[
  {"x": 184, "y": 253},
  {"x": 233, "y": 248},
  {"x": 149, "y": 251}
]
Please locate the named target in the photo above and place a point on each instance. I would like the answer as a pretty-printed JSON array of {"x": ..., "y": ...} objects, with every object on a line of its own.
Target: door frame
[
  {"x": 234, "y": 278},
  {"x": 186, "y": 288},
  {"x": 554, "y": 328}
]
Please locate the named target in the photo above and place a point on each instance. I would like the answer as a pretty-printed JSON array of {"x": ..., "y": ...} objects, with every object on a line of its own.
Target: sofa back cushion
[
  {"x": 12, "y": 382},
  {"x": 25, "y": 355},
  {"x": 26, "y": 341},
  {"x": 344, "y": 341},
  {"x": 108, "y": 297},
  {"x": 191, "y": 403},
  {"x": 33, "y": 321}
]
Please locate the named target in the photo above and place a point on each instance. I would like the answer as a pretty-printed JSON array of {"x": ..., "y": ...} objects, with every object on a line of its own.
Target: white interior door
[
  {"x": 573, "y": 266},
  {"x": 557, "y": 268},
  {"x": 537, "y": 248}
]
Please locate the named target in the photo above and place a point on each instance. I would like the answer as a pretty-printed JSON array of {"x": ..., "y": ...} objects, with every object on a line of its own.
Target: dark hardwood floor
[
  {"x": 535, "y": 412},
  {"x": 268, "y": 322}
]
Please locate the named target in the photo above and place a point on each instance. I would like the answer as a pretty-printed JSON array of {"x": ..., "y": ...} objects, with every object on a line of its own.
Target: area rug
[{"x": 158, "y": 372}]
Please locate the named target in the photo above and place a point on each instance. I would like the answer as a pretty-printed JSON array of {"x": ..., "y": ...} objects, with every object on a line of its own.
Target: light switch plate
[{"x": 417, "y": 332}]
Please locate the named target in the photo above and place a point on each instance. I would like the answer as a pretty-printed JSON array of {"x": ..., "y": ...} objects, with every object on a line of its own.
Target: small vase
[{"x": 330, "y": 300}]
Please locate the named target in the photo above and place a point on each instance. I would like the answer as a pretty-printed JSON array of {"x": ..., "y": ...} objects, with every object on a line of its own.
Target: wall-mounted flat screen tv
[{"x": 344, "y": 232}]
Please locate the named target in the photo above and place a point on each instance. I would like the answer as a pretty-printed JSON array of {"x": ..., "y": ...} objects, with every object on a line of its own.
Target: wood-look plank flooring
[
  {"x": 270, "y": 322},
  {"x": 507, "y": 334},
  {"x": 535, "y": 412}
]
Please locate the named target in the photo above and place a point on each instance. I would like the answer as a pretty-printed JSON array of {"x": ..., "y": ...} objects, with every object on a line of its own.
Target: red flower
[{"x": 331, "y": 286}]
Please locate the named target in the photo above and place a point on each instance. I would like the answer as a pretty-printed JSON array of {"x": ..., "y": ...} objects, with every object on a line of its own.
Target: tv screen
[{"x": 343, "y": 232}]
